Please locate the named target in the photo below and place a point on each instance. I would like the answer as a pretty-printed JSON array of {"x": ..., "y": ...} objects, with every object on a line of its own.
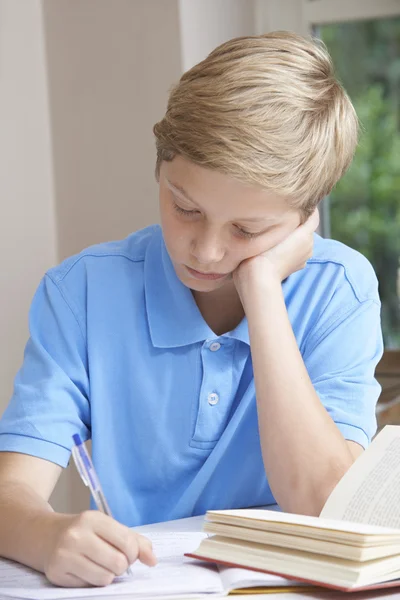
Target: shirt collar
[{"x": 173, "y": 316}]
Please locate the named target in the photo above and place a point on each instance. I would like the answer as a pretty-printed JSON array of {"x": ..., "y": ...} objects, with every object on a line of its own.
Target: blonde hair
[{"x": 266, "y": 110}]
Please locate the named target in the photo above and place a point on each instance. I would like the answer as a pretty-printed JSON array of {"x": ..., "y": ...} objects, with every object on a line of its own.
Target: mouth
[{"x": 209, "y": 276}]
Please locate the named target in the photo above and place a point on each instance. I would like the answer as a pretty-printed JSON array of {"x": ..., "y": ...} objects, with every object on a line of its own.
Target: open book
[{"x": 354, "y": 544}]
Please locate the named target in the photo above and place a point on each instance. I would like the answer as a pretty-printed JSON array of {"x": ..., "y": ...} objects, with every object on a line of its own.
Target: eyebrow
[
  {"x": 258, "y": 219},
  {"x": 178, "y": 188}
]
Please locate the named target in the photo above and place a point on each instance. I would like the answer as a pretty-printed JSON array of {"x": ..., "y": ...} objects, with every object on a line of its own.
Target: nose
[{"x": 207, "y": 246}]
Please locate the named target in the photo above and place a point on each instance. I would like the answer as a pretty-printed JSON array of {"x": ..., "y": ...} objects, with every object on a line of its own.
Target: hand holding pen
[
  {"x": 89, "y": 477},
  {"x": 90, "y": 548}
]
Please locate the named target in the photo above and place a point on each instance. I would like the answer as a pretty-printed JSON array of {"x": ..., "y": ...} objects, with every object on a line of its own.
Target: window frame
[{"x": 301, "y": 16}]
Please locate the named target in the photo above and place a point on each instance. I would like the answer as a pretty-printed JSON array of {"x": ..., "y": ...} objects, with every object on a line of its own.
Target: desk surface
[{"x": 189, "y": 524}]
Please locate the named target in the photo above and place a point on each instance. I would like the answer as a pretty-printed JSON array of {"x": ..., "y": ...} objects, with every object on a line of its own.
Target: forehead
[{"x": 217, "y": 192}]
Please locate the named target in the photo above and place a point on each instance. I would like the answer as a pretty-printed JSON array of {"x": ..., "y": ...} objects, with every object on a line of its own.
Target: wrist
[{"x": 47, "y": 527}]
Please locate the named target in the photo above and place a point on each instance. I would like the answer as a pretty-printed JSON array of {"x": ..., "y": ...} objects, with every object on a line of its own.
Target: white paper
[
  {"x": 370, "y": 490},
  {"x": 174, "y": 575}
]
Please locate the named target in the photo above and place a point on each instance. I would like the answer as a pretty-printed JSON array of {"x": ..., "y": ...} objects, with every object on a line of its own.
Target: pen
[{"x": 89, "y": 477}]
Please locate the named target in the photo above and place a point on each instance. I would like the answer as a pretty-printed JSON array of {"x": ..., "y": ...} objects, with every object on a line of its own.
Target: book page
[
  {"x": 279, "y": 521},
  {"x": 174, "y": 575},
  {"x": 235, "y": 578},
  {"x": 370, "y": 490}
]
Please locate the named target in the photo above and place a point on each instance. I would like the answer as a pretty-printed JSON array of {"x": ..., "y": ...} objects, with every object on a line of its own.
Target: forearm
[
  {"x": 25, "y": 524},
  {"x": 304, "y": 453}
]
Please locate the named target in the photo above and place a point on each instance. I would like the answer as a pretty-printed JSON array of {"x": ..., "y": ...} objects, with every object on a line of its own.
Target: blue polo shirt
[{"x": 119, "y": 353}]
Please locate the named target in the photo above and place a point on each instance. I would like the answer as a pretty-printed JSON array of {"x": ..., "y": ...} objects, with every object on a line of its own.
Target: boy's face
[{"x": 212, "y": 222}]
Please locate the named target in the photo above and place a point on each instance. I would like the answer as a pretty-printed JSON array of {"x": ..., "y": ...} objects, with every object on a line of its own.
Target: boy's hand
[
  {"x": 282, "y": 260},
  {"x": 91, "y": 549}
]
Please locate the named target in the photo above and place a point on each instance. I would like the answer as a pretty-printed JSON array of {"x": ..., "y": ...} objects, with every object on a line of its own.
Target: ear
[{"x": 157, "y": 170}]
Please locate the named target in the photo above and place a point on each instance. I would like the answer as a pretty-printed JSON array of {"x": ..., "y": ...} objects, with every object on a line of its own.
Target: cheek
[
  {"x": 175, "y": 235},
  {"x": 263, "y": 243},
  {"x": 169, "y": 222},
  {"x": 238, "y": 252}
]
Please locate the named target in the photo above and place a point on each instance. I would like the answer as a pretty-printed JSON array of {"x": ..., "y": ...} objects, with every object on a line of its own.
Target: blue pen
[{"x": 89, "y": 477}]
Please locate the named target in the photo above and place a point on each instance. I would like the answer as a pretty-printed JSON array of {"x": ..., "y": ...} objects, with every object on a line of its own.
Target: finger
[
  {"x": 313, "y": 221},
  {"x": 146, "y": 554},
  {"x": 301, "y": 237},
  {"x": 73, "y": 581},
  {"x": 124, "y": 539},
  {"x": 67, "y": 580},
  {"x": 105, "y": 555},
  {"x": 139, "y": 547},
  {"x": 90, "y": 572}
]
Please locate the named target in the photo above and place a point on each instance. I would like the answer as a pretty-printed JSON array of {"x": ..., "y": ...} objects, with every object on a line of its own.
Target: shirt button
[
  {"x": 213, "y": 399},
  {"x": 215, "y": 346}
]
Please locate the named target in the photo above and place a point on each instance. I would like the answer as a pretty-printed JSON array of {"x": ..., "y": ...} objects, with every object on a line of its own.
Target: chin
[{"x": 203, "y": 286}]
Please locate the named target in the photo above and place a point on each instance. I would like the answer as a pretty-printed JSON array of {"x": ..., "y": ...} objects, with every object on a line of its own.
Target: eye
[
  {"x": 182, "y": 211},
  {"x": 245, "y": 234}
]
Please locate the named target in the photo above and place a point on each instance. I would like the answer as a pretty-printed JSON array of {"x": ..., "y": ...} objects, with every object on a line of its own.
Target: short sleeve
[
  {"x": 51, "y": 391},
  {"x": 341, "y": 357}
]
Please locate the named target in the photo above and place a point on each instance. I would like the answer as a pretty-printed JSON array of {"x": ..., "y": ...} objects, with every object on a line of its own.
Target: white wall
[
  {"x": 27, "y": 225},
  {"x": 110, "y": 66},
  {"x": 82, "y": 83}
]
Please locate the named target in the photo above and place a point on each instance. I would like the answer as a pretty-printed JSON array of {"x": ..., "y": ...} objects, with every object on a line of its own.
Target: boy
[{"x": 144, "y": 345}]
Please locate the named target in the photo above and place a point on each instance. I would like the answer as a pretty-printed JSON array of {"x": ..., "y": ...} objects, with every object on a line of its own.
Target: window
[
  {"x": 363, "y": 211},
  {"x": 364, "y": 208}
]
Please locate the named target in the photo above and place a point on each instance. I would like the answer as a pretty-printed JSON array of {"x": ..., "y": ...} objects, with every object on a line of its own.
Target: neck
[{"x": 221, "y": 309}]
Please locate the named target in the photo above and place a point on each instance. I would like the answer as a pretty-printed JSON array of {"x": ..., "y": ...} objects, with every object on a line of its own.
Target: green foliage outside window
[{"x": 365, "y": 204}]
